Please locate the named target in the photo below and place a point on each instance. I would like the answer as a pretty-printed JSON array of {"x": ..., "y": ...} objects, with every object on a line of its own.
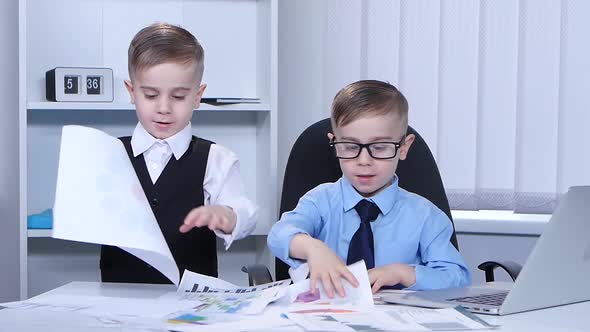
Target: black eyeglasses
[{"x": 377, "y": 150}]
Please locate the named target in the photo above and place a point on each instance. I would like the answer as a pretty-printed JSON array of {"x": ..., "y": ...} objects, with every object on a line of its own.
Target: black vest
[{"x": 177, "y": 191}]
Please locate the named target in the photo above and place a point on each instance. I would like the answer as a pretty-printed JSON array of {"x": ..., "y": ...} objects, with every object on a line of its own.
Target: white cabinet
[{"x": 240, "y": 42}]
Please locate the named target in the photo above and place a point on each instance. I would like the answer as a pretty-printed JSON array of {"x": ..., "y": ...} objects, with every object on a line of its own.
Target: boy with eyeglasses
[{"x": 403, "y": 238}]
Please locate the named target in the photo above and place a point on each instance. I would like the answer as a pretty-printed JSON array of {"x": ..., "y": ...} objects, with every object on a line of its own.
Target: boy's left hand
[
  {"x": 390, "y": 275},
  {"x": 216, "y": 217}
]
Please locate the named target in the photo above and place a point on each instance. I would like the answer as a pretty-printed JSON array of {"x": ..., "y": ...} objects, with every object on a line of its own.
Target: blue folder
[{"x": 43, "y": 220}]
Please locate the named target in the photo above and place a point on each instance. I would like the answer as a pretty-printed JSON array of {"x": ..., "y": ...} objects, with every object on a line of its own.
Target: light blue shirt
[{"x": 410, "y": 230}]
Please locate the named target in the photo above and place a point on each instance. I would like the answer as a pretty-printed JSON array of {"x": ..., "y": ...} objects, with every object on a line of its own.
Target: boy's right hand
[
  {"x": 215, "y": 217},
  {"x": 324, "y": 265}
]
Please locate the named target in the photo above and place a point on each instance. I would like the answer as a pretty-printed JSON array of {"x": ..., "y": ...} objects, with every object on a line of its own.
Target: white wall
[
  {"x": 496, "y": 87},
  {"x": 9, "y": 152},
  {"x": 301, "y": 96},
  {"x": 452, "y": 56}
]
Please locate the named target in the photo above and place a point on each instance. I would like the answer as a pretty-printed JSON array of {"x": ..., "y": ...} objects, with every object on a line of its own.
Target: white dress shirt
[{"x": 222, "y": 184}]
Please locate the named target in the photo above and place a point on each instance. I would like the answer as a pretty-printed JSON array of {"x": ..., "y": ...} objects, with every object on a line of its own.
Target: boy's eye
[
  {"x": 150, "y": 96},
  {"x": 179, "y": 97},
  {"x": 350, "y": 147}
]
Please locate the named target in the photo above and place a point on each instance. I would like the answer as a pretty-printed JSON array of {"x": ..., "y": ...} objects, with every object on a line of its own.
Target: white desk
[{"x": 570, "y": 318}]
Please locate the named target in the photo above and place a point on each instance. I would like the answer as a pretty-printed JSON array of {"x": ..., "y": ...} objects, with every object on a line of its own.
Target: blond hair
[
  {"x": 163, "y": 43},
  {"x": 368, "y": 98}
]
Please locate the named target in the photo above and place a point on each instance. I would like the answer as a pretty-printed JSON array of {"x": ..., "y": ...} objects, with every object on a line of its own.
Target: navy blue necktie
[{"x": 361, "y": 244}]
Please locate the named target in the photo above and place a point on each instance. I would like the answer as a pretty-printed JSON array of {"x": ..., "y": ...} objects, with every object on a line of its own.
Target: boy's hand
[
  {"x": 325, "y": 266},
  {"x": 216, "y": 217},
  {"x": 390, "y": 275}
]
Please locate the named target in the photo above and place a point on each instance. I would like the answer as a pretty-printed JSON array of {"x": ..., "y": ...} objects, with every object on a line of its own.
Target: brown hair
[
  {"x": 161, "y": 43},
  {"x": 368, "y": 98}
]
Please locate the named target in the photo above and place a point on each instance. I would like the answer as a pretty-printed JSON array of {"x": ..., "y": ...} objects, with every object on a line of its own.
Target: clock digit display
[
  {"x": 93, "y": 85},
  {"x": 79, "y": 84},
  {"x": 71, "y": 84}
]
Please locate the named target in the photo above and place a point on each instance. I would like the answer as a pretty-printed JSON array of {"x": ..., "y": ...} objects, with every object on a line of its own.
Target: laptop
[{"x": 555, "y": 273}]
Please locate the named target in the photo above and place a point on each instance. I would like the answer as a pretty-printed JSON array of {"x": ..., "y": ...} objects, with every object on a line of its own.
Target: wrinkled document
[
  {"x": 215, "y": 296},
  {"x": 99, "y": 199},
  {"x": 359, "y": 296}
]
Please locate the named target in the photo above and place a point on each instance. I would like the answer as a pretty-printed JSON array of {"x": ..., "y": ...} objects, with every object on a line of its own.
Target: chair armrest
[
  {"x": 512, "y": 268},
  {"x": 258, "y": 274}
]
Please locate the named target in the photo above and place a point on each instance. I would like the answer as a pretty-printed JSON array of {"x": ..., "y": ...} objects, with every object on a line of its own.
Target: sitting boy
[
  {"x": 192, "y": 184},
  {"x": 403, "y": 238}
]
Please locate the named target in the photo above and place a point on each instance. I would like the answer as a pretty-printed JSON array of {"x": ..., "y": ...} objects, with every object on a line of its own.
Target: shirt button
[{"x": 154, "y": 202}]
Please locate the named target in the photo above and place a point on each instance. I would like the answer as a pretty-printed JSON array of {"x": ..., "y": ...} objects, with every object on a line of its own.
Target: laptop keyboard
[{"x": 489, "y": 299}]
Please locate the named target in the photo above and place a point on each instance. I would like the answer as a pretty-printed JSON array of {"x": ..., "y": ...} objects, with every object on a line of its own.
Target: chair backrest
[{"x": 312, "y": 163}]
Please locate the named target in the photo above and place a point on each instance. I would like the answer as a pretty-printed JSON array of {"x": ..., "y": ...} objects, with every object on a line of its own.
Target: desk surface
[{"x": 570, "y": 318}]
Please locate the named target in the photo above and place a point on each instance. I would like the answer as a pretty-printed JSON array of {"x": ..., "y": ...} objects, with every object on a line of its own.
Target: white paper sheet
[
  {"x": 99, "y": 199},
  {"x": 270, "y": 320},
  {"x": 59, "y": 321},
  {"x": 220, "y": 297},
  {"x": 360, "y": 296},
  {"x": 299, "y": 274},
  {"x": 103, "y": 306},
  {"x": 391, "y": 319},
  {"x": 193, "y": 282}
]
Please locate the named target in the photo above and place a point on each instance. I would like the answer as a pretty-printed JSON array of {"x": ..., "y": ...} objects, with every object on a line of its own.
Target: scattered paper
[
  {"x": 99, "y": 199},
  {"x": 270, "y": 320},
  {"x": 196, "y": 282},
  {"x": 192, "y": 318},
  {"x": 299, "y": 274},
  {"x": 215, "y": 296},
  {"x": 394, "y": 319},
  {"x": 103, "y": 306},
  {"x": 59, "y": 321},
  {"x": 360, "y": 296}
]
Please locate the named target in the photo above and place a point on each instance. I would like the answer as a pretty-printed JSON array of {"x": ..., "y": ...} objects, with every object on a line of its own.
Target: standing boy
[
  {"x": 193, "y": 185},
  {"x": 403, "y": 238}
]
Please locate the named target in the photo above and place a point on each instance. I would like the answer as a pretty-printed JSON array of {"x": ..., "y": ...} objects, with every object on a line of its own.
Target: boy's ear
[
  {"x": 129, "y": 87},
  {"x": 405, "y": 147},
  {"x": 330, "y": 137},
  {"x": 199, "y": 95}
]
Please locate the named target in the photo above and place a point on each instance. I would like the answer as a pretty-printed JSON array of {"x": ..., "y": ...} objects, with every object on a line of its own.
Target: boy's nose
[
  {"x": 364, "y": 157},
  {"x": 164, "y": 107}
]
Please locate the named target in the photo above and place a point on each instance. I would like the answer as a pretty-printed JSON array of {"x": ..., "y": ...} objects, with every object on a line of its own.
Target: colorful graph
[
  {"x": 199, "y": 319},
  {"x": 323, "y": 311}
]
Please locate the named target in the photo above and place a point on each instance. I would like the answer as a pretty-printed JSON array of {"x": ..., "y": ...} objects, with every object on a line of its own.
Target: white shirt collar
[{"x": 141, "y": 141}]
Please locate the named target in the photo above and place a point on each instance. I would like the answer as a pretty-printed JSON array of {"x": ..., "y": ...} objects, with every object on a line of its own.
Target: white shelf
[
  {"x": 78, "y": 106},
  {"x": 39, "y": 232}
]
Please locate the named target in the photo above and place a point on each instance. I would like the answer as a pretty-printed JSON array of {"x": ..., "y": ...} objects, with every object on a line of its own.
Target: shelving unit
[
  {"x": 240, "y": 42},
  {"x": 39, "y": 233}
]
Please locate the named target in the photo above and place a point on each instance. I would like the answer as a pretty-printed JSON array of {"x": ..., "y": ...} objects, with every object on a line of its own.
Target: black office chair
[{"x": 312, "y": 162}]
